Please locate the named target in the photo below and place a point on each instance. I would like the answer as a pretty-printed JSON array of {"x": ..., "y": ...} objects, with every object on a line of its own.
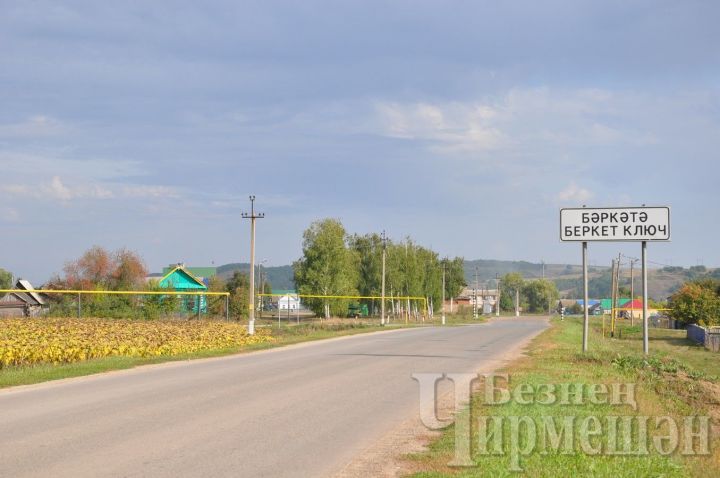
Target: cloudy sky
[{"x": 464, "y": 124}]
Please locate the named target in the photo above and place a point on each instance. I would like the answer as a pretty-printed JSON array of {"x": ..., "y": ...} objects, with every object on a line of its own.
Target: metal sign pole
[
  {"x": 645, "y": 298},
  {"x": 585, "y": 297}
]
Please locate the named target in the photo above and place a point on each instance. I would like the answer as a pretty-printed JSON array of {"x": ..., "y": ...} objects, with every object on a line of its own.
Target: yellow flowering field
[{"x": 62, "y": 340}]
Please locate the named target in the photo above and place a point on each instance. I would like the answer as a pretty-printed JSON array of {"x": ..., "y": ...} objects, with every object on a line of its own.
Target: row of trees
[
  {"x": 337, "y": 263},
  {"x": 537, "y": 295}
]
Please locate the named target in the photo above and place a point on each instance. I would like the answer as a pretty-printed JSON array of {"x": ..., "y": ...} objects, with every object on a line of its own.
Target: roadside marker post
[{"x": 619, "y": 224}]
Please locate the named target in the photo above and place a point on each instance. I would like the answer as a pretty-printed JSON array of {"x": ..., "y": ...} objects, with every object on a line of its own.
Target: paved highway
[{"x": 303, "y": 410}]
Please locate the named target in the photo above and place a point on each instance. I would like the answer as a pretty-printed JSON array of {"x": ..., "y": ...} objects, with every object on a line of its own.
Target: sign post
[
  {"x": 641, "y": 224},
  {"x": 586, "y": 319}
]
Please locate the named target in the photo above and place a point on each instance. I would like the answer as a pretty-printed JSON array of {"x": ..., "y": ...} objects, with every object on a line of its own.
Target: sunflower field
[{"x": 63, "y": 340}]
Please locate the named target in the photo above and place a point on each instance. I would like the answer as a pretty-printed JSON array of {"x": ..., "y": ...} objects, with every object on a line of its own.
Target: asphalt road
[{"x": 304, "y": 410}]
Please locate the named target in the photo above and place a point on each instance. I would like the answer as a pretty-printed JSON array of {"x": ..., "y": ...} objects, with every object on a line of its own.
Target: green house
[
  {"x": 181, "y": 280},
  {"x": 606, "y": 304}
]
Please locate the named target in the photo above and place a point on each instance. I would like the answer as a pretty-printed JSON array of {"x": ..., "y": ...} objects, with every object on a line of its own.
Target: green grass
[{"x": 677, "y": 379}]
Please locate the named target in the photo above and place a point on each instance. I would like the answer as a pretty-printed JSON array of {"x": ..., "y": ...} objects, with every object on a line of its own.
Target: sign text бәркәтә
[{"x": 615, "y": 224}]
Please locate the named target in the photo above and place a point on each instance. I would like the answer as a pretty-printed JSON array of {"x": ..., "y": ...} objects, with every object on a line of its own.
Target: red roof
[{"x": 633, "y": 304}]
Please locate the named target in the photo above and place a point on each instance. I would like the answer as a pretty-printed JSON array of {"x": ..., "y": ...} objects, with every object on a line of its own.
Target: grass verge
[{"x": 678, "y": 379}]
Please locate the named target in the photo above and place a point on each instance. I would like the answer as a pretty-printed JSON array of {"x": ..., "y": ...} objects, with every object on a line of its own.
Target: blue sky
[{"x": 465, "y": 125}]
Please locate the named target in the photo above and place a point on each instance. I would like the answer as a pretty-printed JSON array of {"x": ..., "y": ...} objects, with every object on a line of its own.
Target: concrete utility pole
[
  {"x": 613, "y": 299},
  {"x": 617, "y": 285},
  {"x": 497, "y": 297},
  {"x": 382, "y": 300},
  {"x": 632, "y": 290},
  {"x": 442, "y": 306},
  {"x": 252, "y": 216}
]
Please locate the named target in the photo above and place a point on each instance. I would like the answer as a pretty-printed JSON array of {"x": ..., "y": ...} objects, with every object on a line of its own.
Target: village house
[
  {"x": 180, "y": 279},
  {"x": 22, "y": 304}
]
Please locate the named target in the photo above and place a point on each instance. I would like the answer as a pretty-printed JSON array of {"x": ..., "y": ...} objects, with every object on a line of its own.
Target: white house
[{"x": 289, "y": 302}]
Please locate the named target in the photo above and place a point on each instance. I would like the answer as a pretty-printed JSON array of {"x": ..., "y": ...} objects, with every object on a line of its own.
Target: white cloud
[
  {"x": 452, "y": 127},
  {"x": 9, "y": 214},
  {"x": 148, "y": 191},
  {"x": 33, "y": 127},
  {"x": 523, "y": 119},
  {"x": 574, "y": 194},
  {"x": 56, "y": 189}
]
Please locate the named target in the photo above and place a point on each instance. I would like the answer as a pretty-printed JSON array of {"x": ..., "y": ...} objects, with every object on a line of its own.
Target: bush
[{"x": 697, "y": 302}]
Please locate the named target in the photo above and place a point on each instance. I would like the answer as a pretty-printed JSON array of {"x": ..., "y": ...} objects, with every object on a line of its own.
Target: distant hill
[
  {"x": 568, "y": 277},
  {"x": 489, "y": 269},
  {"x": 281, "y": 277},
  {"x": 662, "y": 282}
]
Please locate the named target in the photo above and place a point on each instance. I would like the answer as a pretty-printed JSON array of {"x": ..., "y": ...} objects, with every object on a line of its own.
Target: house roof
[
  {"x": 470, "y": 292},
  {"x": 206, "y": 272},
  {"x": 607, "y": 303},
  {"x": 14, "y": 299},
  {"x": 26, "y": 285},
  {"x": 591, "y": 302},
  {"x": 633, "y": 304},
  {"x": 186, "y": 280}
]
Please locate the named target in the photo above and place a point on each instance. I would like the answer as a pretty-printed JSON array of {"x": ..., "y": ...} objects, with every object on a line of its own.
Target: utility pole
[
  {"x": 613, "y": 299},
  {"x": 632, "y": 290},
  {"x": 543, "y": 269},
  {"x": 497, "y": 297},
  {"x": 382, "y": 300},
  {"x": 252, "y": 216},
  {"x": 617, "y": 284},
  {"x": 442, "y": 307}
]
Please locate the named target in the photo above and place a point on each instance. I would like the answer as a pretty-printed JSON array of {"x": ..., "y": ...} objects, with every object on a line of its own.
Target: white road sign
[{"x": 615, "y": 224}]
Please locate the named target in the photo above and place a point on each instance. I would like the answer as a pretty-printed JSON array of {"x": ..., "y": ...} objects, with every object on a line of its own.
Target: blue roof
[{"x": 591, "y": 302}]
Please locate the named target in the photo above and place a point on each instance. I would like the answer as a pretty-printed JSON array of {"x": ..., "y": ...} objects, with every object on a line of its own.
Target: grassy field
[
  {"x": 678, "y": 379},
  {"x": 71, "y": 356}
]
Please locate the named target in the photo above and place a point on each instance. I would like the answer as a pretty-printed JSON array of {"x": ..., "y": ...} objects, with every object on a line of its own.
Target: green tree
[
  {"x": 697, "y": 302},
  {"x": 239, "y": 287},
  {"x": 368, "y": 252},
  {"x": 328, "y": 267},
  {"x": 540, "y": 294},
  {"x": 510, "y": 283},
  {"x": 216, "y": 303},
  {"x": 5, "y": 279},
  {"x": 454, "y": 277}
]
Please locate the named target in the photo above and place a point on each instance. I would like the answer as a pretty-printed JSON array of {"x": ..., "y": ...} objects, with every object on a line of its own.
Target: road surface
[{"x": 303, "y": 410}]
